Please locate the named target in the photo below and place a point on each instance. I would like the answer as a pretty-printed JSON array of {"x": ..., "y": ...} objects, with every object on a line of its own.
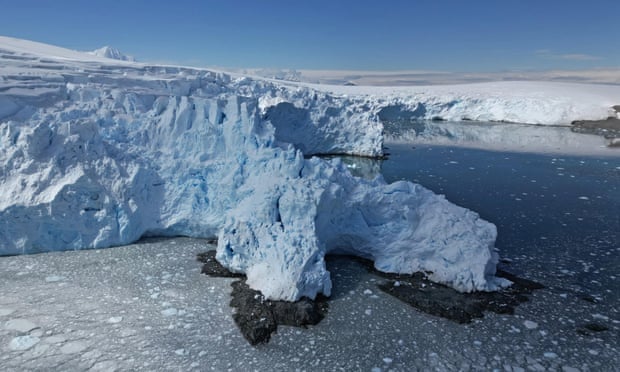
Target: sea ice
[
  {"x": 115, "y": 319},
  {"x": 20, "y": 325},
  {"x": 21, "y": 343}
]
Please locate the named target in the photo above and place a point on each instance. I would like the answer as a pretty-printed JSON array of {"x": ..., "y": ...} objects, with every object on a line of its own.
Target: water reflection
[
  {"x": 493, "y": 135},
  {"x": 363, "y": 167}
]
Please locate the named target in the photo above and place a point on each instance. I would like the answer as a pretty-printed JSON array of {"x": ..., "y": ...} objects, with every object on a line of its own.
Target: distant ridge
[{"x": 112, "y": 53}]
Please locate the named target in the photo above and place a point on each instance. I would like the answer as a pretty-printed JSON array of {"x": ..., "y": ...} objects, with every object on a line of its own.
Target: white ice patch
[
  {"x": 22, "y": 343},
  {"x": 73, "y": 347},
  {"x": 53, "y": 278},
  {"x": 4, "y": 311},
  {"x": 169, "y": 312},
  {"x": 115, "y": 319},
  {"x": 20, "y": 325}
]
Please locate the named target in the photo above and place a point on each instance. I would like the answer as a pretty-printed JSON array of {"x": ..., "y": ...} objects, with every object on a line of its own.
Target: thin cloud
[
  {"x": 546, "y": 53},
  {"x": 406, "y": 78},
  {"x": 579, "y": 57}
]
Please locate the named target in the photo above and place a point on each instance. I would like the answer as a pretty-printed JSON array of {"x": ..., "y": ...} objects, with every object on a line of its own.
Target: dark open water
[{"x": 558, "y": 217}]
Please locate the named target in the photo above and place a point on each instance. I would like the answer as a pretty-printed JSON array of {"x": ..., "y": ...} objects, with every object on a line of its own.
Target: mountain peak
[{"x": 110, "y": 52}]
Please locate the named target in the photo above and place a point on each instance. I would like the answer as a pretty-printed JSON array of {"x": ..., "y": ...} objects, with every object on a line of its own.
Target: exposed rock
[
  {"x": 437, "y": 299},
  {"x": 213, "y": 268},
  {"x": 257, "y": 317},
  {"x": 608, "y": 128}
]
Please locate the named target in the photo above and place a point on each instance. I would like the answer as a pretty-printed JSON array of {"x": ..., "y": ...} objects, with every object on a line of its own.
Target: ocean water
[{"x": 558, "y": 216}]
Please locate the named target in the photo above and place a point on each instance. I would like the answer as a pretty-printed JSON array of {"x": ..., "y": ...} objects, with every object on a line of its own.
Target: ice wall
[
  {"x": 105, "y": 166},
  {"x": 96, "y": 154}
]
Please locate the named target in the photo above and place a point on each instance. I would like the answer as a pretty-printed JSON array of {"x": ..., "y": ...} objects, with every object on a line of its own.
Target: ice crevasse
[{"x": 90, "y": 165}]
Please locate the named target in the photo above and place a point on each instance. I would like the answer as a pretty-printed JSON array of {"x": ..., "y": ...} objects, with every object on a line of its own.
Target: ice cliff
[
  {"x": 103, "y": 166},
  {"x": 97, "y": 152},
  {"x": 525, "y": 102}
]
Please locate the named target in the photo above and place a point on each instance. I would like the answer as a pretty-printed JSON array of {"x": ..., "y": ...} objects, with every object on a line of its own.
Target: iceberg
[{"x": 97, "y": 153}]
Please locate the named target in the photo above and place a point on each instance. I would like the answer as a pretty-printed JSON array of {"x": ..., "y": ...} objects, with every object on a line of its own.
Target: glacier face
[
  {"x": 525, "y": 102},
  {"x": 103, "y": 168},
  {"x": 97, "y": 155}
]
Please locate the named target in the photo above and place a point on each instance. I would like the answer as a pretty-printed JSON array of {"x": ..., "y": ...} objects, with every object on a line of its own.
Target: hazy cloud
[
  {"x": 394, "y": 78},
  {"x": 546, "y": 53},
  {"x": 579, "y": 57}
]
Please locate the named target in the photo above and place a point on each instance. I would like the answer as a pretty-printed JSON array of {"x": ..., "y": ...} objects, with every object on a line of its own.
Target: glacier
[{"x": 96, "y": 153}]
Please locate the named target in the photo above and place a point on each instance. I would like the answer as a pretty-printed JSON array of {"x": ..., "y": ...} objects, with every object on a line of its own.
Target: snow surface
[{"x": 96, "y": 152}]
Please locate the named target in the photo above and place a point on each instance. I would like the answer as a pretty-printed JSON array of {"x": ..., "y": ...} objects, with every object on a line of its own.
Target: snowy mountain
[
  {"x": 112, "y": 53},
  {"x": 96, "y": 152}
]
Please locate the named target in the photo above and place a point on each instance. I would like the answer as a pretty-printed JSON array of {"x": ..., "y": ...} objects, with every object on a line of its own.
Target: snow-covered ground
[{"x": 97, "y": 152}]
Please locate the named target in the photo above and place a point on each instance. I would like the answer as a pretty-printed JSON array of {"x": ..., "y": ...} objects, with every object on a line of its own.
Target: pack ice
[{"x": 96, "y": 153}]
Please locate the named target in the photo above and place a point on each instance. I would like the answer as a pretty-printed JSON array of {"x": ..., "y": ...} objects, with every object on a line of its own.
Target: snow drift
[{"x": 96, "y": 152}]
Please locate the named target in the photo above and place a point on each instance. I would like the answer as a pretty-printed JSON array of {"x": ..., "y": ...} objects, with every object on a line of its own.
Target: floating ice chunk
[
  {"x": 4, "y": 311},
  {"x": 73, "y": 347},
  {"x": 22, "y": 343},
  {"x": 169, "y": 312},
  {"x": 54, "y": 278},
  {"x": 20, "y": 325},
  {"x": 600, "y": 316}
]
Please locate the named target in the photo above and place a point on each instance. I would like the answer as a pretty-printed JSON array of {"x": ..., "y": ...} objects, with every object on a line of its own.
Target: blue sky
[{"x": 480, "y": 36}]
